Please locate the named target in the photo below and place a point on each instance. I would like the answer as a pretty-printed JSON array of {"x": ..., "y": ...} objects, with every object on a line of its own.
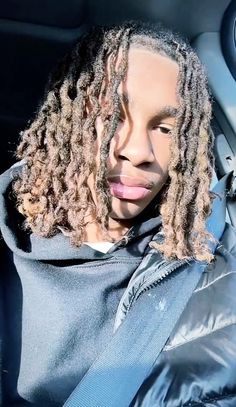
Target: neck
[{"x": 116, "y": 230}]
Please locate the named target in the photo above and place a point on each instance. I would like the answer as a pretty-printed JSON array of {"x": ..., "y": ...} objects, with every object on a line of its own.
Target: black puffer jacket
[{"x": 198, "y": 364}]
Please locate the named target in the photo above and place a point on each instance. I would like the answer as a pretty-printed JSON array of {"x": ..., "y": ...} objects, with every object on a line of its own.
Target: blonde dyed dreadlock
[{"x": 58, "y": 147}]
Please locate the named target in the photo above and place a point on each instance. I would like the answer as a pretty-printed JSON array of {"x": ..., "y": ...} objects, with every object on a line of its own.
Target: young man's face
[{"x": 140, "y": 149}]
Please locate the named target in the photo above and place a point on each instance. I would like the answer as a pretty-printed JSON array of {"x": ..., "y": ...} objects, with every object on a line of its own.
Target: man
[{"x": 117, "y": 162}]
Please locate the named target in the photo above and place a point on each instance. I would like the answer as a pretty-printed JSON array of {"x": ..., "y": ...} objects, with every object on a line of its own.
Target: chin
[{"x": 122, "y": 209}]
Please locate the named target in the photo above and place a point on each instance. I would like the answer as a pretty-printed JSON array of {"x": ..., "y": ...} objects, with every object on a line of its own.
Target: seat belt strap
[{"x": 116, "y": 375}]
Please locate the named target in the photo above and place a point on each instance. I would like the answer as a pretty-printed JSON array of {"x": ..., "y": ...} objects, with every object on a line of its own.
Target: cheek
[{"x": 161, "y": 148}]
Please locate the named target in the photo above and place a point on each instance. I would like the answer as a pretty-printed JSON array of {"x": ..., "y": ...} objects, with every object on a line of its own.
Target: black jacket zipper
[{"x": 153, "y": 280}]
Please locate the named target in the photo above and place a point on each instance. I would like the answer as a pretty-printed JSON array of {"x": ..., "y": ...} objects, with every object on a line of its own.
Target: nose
[{"x": 133, "y": 144}]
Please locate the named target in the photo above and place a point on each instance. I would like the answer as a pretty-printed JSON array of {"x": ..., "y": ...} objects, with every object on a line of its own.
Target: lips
[{"x": 129, "y": 188}]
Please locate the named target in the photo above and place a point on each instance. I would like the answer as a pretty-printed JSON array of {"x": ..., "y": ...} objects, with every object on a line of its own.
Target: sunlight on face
[{"x": 140, "y": 149}]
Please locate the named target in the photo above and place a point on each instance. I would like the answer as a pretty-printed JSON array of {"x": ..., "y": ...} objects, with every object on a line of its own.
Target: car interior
[{"x": 34, "y": 35}]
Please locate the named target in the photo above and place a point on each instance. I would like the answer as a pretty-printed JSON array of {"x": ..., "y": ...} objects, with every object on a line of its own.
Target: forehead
[{"x": 151, "y": 77}]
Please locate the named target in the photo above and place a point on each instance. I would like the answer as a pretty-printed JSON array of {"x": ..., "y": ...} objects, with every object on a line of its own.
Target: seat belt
[{"x": 118, "y": 372}]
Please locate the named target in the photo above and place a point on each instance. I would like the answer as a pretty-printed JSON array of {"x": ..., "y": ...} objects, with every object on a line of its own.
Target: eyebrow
[
  {"x": 167, "y": 111},
  {"x": 163, "y": 113}
]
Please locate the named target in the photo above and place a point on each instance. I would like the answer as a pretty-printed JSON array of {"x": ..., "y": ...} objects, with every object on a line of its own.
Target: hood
[{"x": 58, "y": 247}]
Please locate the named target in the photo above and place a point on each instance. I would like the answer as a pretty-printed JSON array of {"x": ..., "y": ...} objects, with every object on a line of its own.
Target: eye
[
  {"x": 162, "y": 129},
  {"x": 165, "y": 130},
  {"x": 121, "y": 116}
]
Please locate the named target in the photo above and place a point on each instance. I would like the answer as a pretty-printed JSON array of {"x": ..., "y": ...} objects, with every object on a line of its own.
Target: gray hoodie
[{"x": 58, "y": 304}]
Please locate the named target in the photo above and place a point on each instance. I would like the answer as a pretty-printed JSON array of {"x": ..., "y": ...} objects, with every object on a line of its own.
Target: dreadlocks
[{"x": 58, "y": 147}]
